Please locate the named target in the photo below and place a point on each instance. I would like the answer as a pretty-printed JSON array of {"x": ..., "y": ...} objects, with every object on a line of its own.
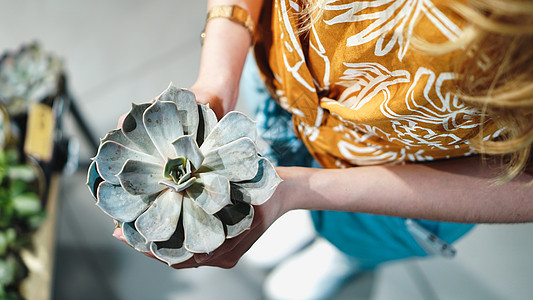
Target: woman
[{"x": 394, "y": 98}]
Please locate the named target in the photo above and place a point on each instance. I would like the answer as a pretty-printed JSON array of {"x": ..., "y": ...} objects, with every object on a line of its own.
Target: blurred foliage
[
  {"x": 27, "y": 75},
  {"x": 21, "y": 213}
]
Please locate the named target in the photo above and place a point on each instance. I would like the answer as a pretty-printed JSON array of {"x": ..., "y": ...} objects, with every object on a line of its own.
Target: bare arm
[
  {"x": 457, "y": 190},
  {"x": 460, "y": 190},
  {"x": 223, "y": 55}
]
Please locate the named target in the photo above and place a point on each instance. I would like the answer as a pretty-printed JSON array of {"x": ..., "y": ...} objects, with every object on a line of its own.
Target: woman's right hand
[
  {"x": 220, "y": 101},
  {"x": 224, "y": 52}
]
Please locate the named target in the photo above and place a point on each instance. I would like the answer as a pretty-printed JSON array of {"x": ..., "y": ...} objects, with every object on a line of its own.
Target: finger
[
  {"x": 151, "y": 255},
  {"x": 225, "y": 256},
  {"x": 117, "y": 233},
  {"x": 239, "y": 250},
  {"x": 121, "y": 120},
  {"x": 200, "y": 258},
  {"x": 190, "y": 263},
  {"x": 229, "y": 253}
]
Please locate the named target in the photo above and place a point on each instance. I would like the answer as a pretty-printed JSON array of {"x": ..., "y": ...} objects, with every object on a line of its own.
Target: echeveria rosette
[
  {"x": 28, "y": 75},
  {"x": 177, "y": 181}
]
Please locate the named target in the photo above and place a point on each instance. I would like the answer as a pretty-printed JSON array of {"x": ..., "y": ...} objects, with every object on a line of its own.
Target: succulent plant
[
  {"x": 177, "y": 181},
  {"x": 28, "y": 75}
]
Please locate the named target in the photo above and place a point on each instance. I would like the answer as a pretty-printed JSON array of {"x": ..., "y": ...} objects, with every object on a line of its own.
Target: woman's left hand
[{"x": 228, "y": 254}]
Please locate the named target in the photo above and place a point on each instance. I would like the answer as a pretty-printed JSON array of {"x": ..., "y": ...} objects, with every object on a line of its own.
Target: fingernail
[{"x": 117, "y": 234}]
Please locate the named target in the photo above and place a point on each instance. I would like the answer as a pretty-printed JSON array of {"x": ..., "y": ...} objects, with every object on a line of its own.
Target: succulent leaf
[
  {"x": 235, "y": 211},
  {"x": 119, "y": 204},
  {"x": 112, "y": 156},
  {"x": 160, "y": 220},
  {"x": 233, "y": 126},
  {"x": 187, "y": 107},
  {"x": 172, "y": 251},
  {"x": 237, "y": 217},
  {"x": 169, "y": 94},
  {"x": 188, "y": 111},
  {"x": 208, "y": 121},
  {"x": 140, "y": 177},
  {"x": 203, "y": 232},
  {"x": 133, "y": 128},
  {"x": 134, "y": 238},
  {"x": 163, "y": 124},
  {"x": 179, "y": 171},
  {"x": 244, "y": 224},
  {"x": 170, "y": 255},
  {"x": 119, "y": 137},
  {"x": 237, "y": 160},
  {"x": 179, "y": 187},
  {"x": 263, "y": 185},
  {"x": 211, "y": 192},
  {"x": 93, "y": 179},
  {"x": 175, "y": 168},
  {"x": 185, "y": 146}
]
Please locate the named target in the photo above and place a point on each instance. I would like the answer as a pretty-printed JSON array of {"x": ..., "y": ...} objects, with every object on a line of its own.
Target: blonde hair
[
  {"x": 309, "y": 14},
  {"x": 499, "y": 32}
]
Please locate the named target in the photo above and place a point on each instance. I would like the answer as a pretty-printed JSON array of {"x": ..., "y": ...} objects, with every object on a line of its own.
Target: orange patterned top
[{"x": 360, "y": 94}]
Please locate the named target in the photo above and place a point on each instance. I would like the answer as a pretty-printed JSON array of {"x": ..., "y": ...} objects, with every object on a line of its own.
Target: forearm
[
  {"x": 460, "y": 190},
  {"x": 224, "y": 51}
]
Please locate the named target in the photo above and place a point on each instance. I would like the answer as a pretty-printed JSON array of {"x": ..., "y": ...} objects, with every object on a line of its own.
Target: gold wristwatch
[{"x": 235, "y": 13}]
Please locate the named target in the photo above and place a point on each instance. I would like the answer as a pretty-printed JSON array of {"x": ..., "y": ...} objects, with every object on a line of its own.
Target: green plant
[
  {"x": 177, "y": 181},
  {"x": 21, "y": 213}
]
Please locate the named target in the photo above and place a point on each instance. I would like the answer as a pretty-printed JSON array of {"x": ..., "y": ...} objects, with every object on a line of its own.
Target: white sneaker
[
  {"x": 289, "y": 234},
  {"x": 316, "y": 273}
]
